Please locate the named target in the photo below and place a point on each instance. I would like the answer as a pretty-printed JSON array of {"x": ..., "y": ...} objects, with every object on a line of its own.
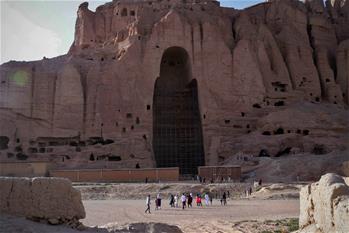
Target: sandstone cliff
[{"x": 248, "y": 64}]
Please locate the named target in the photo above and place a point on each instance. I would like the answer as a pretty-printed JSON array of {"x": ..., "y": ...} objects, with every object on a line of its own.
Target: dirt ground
[
  {"x": 115, "y": 208},
  {"x": 215, "y": 218},
  {"x": 137, "y": 191}
]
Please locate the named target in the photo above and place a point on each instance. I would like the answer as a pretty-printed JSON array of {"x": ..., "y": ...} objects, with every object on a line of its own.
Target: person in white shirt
[
  {"x": 176, "y": 200},
  {"x": 147, "y": 202},
  {"x": 184, "y": 200},
  {"x": 207, "y": 199}
]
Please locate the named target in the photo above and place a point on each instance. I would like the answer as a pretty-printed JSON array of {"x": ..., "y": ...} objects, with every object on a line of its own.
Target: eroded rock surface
[
  {"x": 324, "y": 205},
  {"x": 49, "y": 199}
]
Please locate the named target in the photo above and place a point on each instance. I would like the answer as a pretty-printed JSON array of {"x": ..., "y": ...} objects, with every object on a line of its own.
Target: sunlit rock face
[
  {"x": 240, "y": 66},
  {"x": 324, "y": 205}
]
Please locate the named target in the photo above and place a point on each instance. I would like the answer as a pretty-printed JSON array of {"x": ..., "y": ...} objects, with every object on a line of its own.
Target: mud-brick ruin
[{"x": 183, "y": 83}]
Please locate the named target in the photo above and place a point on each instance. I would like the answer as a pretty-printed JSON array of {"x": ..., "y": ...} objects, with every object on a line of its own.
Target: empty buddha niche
[{"x": 177, "y": 131}]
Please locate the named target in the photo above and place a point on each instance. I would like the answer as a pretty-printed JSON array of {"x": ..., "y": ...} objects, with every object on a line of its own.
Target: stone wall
[
  {"x": 124, "y": 175},
  {"x": 324, "y": 205},
  {"x": 49, "y": 199},
  {"x": 24, "y": 169}
]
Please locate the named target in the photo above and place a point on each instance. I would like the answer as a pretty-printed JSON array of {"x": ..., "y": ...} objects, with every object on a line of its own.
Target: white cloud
[{"x": 21, "y": 39}]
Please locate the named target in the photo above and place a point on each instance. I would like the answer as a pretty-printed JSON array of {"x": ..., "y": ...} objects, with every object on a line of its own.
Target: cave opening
[{"x": 177, "y": 131}]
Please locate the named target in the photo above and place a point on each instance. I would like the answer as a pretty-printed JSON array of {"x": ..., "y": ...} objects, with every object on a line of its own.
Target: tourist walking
[
  {"x": 207, "y": 199},
  {"x": 211, "y": 199},
  {"x": 156, "y": 204},
  {"x": 198, "y": 200},
  {"x": 172, "y": 201},
  {"x": 224, "y": 198},
  {"x": 184, "y": 200},
  {"x": 158, "y": 201},
  {"x": 147, "y": 202},
  {"x": 190, "y": 200},
  {"x": 176, "y": 201}
]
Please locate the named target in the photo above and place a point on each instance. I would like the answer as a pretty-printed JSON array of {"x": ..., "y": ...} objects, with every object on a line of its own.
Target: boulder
[
  {"x": 51, "y": 199},
  {"x": 324, "y": 206}
]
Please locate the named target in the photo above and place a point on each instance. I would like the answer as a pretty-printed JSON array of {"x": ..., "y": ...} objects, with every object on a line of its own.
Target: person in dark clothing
[
  {"x": 137, "y": 166},
  {"x": 224, "y": 198},
  {"x": 190, "y": 200},
  {"x": 172, "y": 201},
  {"x": 158, "y": 201}
]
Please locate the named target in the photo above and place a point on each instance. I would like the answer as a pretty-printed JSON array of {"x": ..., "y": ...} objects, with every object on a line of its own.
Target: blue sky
[{"x": 31, "y": 30}]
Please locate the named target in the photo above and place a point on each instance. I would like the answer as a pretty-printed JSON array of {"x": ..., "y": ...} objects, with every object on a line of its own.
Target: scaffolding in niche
[{"x": 177, "y": 129}]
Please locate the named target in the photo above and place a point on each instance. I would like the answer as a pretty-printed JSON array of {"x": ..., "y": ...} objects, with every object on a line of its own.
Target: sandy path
[{"x": 216, "y": 217}]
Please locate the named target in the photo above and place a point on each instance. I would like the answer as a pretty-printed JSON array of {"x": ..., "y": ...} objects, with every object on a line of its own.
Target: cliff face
[{"x": 247, "y": 64}]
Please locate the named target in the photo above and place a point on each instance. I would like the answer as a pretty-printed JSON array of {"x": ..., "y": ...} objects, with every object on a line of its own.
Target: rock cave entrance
[{"x": 177, "y": 132}]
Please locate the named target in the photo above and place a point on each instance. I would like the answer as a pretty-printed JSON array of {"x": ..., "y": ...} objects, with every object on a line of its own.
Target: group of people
[
  {"x": 157, "y": 203},
  {"x": 256, "y": 184},
  {"x": 185, "y": 200}
]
